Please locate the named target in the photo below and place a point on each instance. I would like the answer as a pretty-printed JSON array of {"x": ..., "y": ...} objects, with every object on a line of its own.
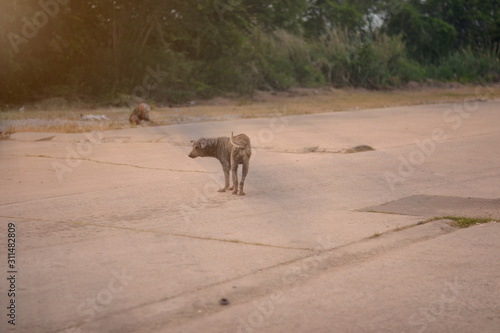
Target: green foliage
[
  {"x": 274, "y": 15},
  {"x": 272, "y": 68},
  {"x": 173, "y": 51},
  {"x": 283, "y": 60},
  {"x": 322, "y": 14},
  {"x": 427, "y": 38},
  {"x": 467, "y": 66},
  {"x": 475, "y": 21},
  {"x": 353, "y": 60}
]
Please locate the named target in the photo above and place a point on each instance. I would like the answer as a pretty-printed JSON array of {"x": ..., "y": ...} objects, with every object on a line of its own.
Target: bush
[
  {"x": 466, "y": 66},
  {"x": 283, "y": 60},
  {"x": 352, "y": 60}
]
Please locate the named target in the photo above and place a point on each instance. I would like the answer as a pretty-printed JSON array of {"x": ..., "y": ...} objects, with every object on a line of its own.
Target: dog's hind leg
[
  {"x": 234, "y": 170},
  {"x": 243, "y": 175}
]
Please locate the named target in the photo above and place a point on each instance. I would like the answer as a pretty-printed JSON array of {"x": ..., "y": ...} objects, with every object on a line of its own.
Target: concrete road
[{"x": 120, "y": 231}]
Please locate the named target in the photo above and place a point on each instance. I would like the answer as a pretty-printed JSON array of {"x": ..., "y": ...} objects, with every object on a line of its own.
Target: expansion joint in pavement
[
  {"x": 235, "y": 241},
  {"x": 113, "y": 163}
]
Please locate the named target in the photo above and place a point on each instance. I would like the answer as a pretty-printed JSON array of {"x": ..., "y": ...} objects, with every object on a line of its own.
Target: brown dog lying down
[{"x": 230, "y": 152}]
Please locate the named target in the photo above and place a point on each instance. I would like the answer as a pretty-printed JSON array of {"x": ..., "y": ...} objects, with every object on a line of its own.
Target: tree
[
  {"x": 322, "y": 14},
  {"x": 474, "y": 20},
  {"x": 427, "y": 38}
]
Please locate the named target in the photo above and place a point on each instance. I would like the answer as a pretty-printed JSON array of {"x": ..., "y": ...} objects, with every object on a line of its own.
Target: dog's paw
[
  {"x": 241, "y": 193},
  {"x": 222, "y": 190},
  {"x": 235, "y": 192}
]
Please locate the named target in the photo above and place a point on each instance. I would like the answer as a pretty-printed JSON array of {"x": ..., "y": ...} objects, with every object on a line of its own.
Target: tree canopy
[{"x": 179, "y": 49}]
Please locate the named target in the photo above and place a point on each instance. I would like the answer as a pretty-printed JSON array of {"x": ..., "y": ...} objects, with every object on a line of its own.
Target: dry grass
[{"x": 66, "y": 118}]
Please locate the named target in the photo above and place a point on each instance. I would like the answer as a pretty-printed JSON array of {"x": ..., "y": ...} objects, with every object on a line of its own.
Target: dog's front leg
[
  {"x": 244, "y": 175},
  {"x": 225, "y": 167}
]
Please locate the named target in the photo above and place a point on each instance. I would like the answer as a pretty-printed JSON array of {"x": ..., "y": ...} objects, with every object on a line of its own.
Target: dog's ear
[{"x": 203, "y": 143}]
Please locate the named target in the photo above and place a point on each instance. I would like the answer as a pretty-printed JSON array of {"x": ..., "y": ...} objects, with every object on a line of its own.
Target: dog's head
[{"x": 198, "y": 148}]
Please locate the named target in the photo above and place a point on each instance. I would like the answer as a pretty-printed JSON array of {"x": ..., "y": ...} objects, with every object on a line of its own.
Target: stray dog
[
  {"x": 141, "y": 112},
  {"x": 230, "y": 152}
]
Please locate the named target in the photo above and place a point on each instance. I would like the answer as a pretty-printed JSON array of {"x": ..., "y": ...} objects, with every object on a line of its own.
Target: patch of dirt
[
  {"x": 4, "y": 136},
  {"x": 273, "y": 96},
  {"x": 220, "y": 101},
  {"x": 57, "y": 115},
  {"x": 358, "y": 149}
]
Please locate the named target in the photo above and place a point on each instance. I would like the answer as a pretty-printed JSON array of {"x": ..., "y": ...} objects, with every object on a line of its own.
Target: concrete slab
[
  {"x": 115, "y": 269},
  {"x": 440, "y": 206},
  {"x": 91, "y": 209},
  {"x": 445, "y": 284}
]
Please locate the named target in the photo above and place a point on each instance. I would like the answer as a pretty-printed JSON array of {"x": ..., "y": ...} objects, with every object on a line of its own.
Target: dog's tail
[
  {"x": 234, "y": 143},
  {"x": 246, "y": 146}
]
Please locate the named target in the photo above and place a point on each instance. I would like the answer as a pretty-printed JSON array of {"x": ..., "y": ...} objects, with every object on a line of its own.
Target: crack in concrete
[
  {"x": 235, "y": 241},
  {"x": 294, "y": 272},
  {"x": 300, "y": 151},
  {"x": 111, "y": 163},
  {"x": 318, "y": 150}
]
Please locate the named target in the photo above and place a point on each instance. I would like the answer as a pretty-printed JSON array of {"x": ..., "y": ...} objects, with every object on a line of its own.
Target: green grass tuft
[{"x": 466, "y": 222}]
